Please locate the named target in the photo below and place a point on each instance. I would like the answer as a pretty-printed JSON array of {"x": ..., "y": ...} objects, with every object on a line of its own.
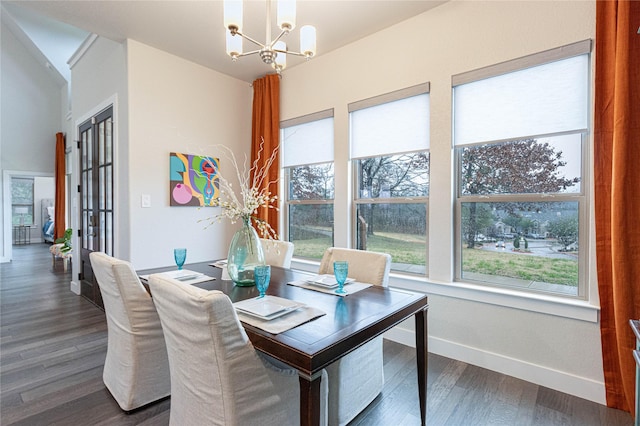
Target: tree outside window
[{"x": 21, "y": 199}]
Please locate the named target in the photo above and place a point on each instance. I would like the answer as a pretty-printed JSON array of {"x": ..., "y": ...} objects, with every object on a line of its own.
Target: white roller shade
[
  {"x": 308, "y": 143},
  {"x": 543, "y": 99},
  {"x": 392, "y": 127}
]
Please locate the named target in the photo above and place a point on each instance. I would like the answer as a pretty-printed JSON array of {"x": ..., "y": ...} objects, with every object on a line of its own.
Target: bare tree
[
  {"x": 516, "y": 167},
  {"x": 392, "y": 176},
  {"x": 312, "y": 182}
]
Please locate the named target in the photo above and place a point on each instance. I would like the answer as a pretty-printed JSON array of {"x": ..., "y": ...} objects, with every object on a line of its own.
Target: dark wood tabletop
[{"x": 349, "y": 322}]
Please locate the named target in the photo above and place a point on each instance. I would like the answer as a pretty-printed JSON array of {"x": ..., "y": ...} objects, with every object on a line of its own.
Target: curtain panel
[
  {"x": 265, "y": 131},
  {"x": 60, "y": 173},
  {"x": 617, "y": 191}
]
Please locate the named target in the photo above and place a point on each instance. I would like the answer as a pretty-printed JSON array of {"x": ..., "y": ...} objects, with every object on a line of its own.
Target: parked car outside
[{"x": 535, "y": 236}]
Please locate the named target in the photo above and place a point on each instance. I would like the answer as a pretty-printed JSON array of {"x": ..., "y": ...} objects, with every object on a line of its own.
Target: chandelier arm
[
  {"x": 290, "y": 52},
  {"x": 246, "y": 37},
  {"x": 253, "y": 52},
  {"x": 282, "y": 33}
]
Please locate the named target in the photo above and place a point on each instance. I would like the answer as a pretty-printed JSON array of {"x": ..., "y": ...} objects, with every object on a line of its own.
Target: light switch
[{"x": 145, "y": 200}]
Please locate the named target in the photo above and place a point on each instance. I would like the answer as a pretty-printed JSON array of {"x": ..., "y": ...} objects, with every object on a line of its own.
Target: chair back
[
  {"x": 126, "y": 302},
  {"x": 216, "y": 374},
  {"x": 365, "y": 266},
  {"x": 277, "y": 252},
  {"x": 136, "y": 369}
]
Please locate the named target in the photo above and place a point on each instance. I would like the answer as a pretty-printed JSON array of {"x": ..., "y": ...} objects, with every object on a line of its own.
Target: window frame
[
  {"x": 357, "y": 200},
  {"x": 581, "y": 197},
  {"x": 14, "y": 205},
  {"x": 287, "y": 203}
]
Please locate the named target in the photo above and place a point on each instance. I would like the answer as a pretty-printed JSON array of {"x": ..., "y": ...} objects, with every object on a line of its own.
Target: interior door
[{"x": 96, "y": 193}]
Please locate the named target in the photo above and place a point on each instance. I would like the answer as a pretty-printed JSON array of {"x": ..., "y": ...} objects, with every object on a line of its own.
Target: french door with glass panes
[{"x": 96, "y": 194}]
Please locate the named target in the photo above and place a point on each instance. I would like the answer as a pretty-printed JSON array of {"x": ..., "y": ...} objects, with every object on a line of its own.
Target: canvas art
[{"x": 193, "y": 180}]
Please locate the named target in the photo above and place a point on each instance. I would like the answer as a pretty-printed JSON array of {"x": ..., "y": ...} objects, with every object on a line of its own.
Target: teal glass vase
[{"x": 245, "y": 253}]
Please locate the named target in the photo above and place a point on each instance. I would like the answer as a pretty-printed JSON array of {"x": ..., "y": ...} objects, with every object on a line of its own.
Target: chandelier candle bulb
[
  {"x": 286, "y": 15},
  {"x": 233, "y": 15},
  {"x": 234, "y": 46},
  {"x": 308, "y": 41},
  {"x": 281, "y": 58}
]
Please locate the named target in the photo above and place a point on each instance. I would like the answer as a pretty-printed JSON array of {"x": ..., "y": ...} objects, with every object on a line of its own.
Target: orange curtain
[
  {"x": 266, "y": 126},
  {"x": 60, "y": 222},
  {"x": 617, "y": 191}
]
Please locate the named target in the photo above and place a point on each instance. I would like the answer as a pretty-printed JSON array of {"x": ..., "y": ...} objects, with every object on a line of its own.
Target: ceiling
[{"x": 194, "y": 30}]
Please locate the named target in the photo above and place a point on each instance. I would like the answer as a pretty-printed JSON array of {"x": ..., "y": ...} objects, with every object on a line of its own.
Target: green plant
[{"x": 65, "y": 240}]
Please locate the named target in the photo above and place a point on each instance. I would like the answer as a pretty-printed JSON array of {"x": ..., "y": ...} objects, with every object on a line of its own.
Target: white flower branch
[{"x": 251, "y": 197}]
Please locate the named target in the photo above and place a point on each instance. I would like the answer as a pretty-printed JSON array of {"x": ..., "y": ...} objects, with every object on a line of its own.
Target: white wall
[
  {"x": 30, "y": 114},
  {"x": 178, "y": 106},
  {"x": 543, "y": 340}
]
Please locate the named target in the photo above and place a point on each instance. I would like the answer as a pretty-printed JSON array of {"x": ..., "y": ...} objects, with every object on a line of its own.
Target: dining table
[{"x": 348, "y": 323}]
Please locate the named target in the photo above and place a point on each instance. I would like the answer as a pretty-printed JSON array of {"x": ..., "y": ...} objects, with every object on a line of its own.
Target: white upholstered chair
[
  {"x": 357, "y": 378},
  {"x": 277, "y": 252},
  {"x": 136, "y": 369},
  {"x": 217, "y": 377}
]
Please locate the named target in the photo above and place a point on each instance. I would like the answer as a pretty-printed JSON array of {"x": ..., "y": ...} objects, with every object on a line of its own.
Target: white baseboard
[
  {"x": 75, "y": 287},
  {"x": 574, "y": 385}
]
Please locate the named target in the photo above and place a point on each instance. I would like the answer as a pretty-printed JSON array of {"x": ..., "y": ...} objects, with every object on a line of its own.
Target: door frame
[{"x": 111, "y": 101}]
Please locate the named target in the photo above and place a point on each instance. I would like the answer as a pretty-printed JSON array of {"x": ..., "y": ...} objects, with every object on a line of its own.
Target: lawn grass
[
  {"x": 521, "y": 266},
  {"x": 403, "y": 248},
  {"x": 410, "y": 250},
  {"x": 312, "y": 248}
]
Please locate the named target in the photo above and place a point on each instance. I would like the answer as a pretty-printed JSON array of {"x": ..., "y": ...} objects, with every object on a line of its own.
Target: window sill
[
  {"x": 542, "y": 303},
  {"x": 307, "y": 265}
]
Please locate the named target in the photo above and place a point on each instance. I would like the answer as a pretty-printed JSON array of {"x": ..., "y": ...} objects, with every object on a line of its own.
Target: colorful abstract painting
[{"x": 193, "y": 180}]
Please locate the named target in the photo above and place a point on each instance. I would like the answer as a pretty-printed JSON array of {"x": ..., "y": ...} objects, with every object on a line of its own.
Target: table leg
[
  {"x": 421, "y": 356},
  {"x": 310, "y": 399}
]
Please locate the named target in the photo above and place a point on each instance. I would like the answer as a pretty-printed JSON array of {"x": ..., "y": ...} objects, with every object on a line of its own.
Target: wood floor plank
[
  {"x": 14, "y": 414},
  {"x": 53, "y": 344}
]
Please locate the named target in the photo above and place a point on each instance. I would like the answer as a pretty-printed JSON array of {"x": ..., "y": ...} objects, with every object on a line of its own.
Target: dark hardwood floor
[{"x": 53, "y": 344}]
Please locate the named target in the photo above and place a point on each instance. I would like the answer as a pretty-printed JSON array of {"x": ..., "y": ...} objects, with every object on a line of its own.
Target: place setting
[
  {"x": 339, "y": 283},
  {"x": 271, "y": 313},
  {"x": 183, "y": 275}
]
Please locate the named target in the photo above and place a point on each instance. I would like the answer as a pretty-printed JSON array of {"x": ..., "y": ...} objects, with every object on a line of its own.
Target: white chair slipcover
[
  {"x": 217, "y": 377},
  {"x": 136, "y": 369},
  {"x": 357, "y": 378},
  {"x": 277, "y": 252}
]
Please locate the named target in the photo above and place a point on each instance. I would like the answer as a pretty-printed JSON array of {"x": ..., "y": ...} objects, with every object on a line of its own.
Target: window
[
  {"x": 22, "y": 201},
  {"x": 307, "y": 161},
  {"x": 390, "y": 155},
  {"x": 520, "y": 131}
]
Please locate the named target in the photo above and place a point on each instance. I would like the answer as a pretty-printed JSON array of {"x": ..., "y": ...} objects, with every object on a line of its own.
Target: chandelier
[{"x": 273, "y": 51}]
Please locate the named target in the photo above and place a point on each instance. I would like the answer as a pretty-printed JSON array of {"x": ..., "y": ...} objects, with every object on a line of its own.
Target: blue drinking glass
[
  {"x": 341, "y": 269},
  {"x": 262, "y": 275},
  {"x": 180, "y": 255}
]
